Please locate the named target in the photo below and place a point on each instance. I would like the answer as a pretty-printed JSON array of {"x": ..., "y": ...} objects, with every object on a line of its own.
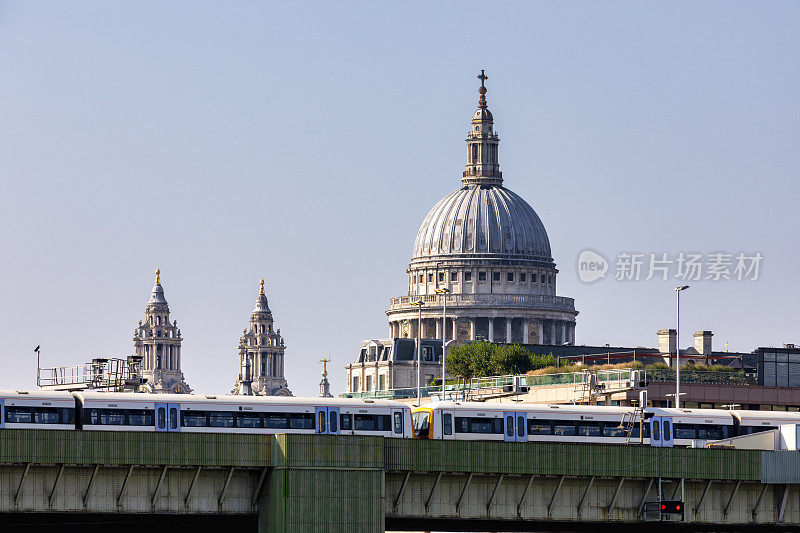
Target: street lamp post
[
  {"x": 444, "y": 292},
  {"x": 678, "y": 346},
  {"x": 419, "y": 303}
]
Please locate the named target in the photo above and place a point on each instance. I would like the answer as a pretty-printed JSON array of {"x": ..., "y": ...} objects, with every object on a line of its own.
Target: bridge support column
[{"x": 307, "y": 490}]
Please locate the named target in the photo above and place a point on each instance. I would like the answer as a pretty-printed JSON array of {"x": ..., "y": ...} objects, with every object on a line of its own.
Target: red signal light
[{"x": 672, "y": 507}]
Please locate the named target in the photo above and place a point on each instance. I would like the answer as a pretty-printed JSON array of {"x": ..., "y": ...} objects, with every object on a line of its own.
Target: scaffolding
[{"x": 106, "y": 374}]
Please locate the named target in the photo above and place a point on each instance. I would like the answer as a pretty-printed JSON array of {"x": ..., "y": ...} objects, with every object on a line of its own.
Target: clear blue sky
[{"x": 304, "y": 143}]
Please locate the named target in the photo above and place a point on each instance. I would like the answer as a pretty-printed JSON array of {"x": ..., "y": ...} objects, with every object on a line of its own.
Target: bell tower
[
  {"x": 483, "y": 166},
  {"x": 159, "y": 344},
  {"x": 261, "y": 352}
]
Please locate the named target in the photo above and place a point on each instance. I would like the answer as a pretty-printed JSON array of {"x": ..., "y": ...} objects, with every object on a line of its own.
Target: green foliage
[
  {"x": 543, "y": 361},
  {"x": 479, "y": 359},
  {"x": 510, "y": 359}
]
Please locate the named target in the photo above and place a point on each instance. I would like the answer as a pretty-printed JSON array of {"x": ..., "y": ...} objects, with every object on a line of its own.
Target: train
[
  {"x": 192, "y": 413},
  {"x": 445, "y": 420},
  {"x": 653, "y": 426}
]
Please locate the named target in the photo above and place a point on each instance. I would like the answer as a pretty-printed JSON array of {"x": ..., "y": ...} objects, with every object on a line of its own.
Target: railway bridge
[{"x": 309, "y": 483}]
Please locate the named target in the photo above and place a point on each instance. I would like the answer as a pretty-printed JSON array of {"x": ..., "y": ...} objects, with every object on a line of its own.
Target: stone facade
[
  {"x": 483, "y": 251},
  {"x": 261, "y": 354},
  {"x": 159, "y": 344}
]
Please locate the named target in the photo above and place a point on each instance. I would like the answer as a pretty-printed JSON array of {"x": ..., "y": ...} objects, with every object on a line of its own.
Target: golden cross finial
[
  {"x": 158, "y": 276},
  {"x": 324, "y": 362},
  {"x": 261, "y": 292},
  {"x": 483, "y": 77}
]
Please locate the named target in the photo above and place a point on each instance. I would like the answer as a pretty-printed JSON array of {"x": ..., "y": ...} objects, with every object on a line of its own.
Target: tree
[
  {"x": 510, "y": 359},
  {"x": 470, "y": 360},
  {"x": 458, "y": 363}
]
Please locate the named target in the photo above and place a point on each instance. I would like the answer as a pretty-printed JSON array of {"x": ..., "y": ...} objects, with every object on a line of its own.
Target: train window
[
  {"x": 112, "y": 417},
  {"x": 398, "y": 423},
  {"x": 462, "y": 424},
  {"x": 347, "y": 422},
  {"x": 301, "y": 421},
  {"x": 321, "y": 426},
  {"x": 656, "y": 430},
  {"x": 219, "y": 419},
  {"x": 173, "y": 418},
  {"x": 611, "y": 429},
  {"x": 520, "y": 426},
  {"x": 372, "y": 423},
  {"x": 447, "y": 424},
  {"x": 484, "y": 425},
  {"x": 334, "y": 421},
  {"x": 563, "y": 428},
  {"x": 275, "y": 421},
  {"x": 727, "y": 431},
  {"x": 161, "y": 418},
  {"x": 196, "y": 419},
  {"x": 248, "y": 420},
  {"x": 19, "y": 415},
  {"x": 709, "y": 432},
  {"x": 589, "y": 429},
  {"x": 140, "y": 417},
  {"x": 667, "y": 431},
  {"x": 509, "y": 426},
  {"x": 539, "y": 427},
  {"x": 421, "y": 421},
  {"x": 685, "y": 431}
]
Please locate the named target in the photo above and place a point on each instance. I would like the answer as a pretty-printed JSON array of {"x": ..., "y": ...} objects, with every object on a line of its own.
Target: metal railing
[
  {"x": 664, "y": 375},
  {"x": 622, "y": 378},
  {"x": 101, "y": 374}
]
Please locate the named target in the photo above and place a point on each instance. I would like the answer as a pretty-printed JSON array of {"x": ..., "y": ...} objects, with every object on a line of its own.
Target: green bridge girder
[{"x": 345, "y": 483}]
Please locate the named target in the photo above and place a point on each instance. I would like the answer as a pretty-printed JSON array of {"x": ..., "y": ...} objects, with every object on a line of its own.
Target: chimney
[
  {"x": 702, "y": 342},
  {"x": 667, "y": 341}
]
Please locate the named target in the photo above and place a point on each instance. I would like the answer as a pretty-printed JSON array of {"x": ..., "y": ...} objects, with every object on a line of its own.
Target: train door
[
  {"x": 398, "y": 423},
  {"x": 448, "y": 424},
  {"x": 516, "y": 427},
  {"x": 510, "y": 433},
  {"x": 522, "y": 427},
  {"x": 2, "y": 413},
  {"x": 168, "y": 416},
  {"x": 174, "y": 416},
  {"x": 161, "y": 416},
  {"x": 327, "y": 422},
  {"x": 666, "y": 432},
  {"x": 661, "y": 432}
]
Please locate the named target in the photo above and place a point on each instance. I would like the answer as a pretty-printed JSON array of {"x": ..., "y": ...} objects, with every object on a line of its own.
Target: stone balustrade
[{"x": 542, "y": 301}]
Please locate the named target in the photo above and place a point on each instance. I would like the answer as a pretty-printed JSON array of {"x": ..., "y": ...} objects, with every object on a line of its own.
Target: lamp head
[{"x": 681, "y": 288}]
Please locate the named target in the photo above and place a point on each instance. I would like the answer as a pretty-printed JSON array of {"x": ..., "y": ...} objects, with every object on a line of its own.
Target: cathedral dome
[{"x": 483, "y": 220}]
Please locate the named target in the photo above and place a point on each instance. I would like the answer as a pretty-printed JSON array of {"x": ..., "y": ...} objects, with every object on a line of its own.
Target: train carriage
[
  {"x": 749, "y": 422},
  {"x": 36, "y": 410},
  {"x": 661, "y": 427},
  {"x": 102, "y": 411}
]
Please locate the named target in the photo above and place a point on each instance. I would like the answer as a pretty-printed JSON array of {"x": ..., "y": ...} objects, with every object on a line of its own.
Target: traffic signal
[{"x": 672, "y": 507}]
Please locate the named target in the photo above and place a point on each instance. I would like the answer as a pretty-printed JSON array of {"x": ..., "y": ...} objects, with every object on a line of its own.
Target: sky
[{"x": 304, "y": 142}]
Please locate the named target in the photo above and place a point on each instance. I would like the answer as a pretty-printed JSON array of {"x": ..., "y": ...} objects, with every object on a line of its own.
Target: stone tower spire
[
  {"x": 261, "y": 352},
  {"x": 483, "y": 167},
  {"x": 324, "y": 385},
  {"x": 159, "y": 344}
]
